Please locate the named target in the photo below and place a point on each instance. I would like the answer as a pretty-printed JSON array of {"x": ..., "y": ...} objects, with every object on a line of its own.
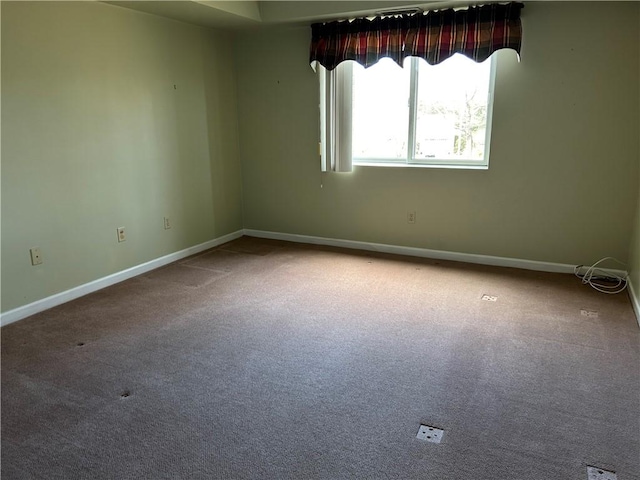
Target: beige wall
[
  {"x": 562, "y": 183},
  {"x": 634, "y": 251},
  {"x": 634, "y": 261},
  {"x": 94, "y": 136},
  {"x": 634, "y": 254}
]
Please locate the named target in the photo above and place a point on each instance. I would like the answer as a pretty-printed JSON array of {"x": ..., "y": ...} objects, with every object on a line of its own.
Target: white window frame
[{"x": 336, "y": 88}]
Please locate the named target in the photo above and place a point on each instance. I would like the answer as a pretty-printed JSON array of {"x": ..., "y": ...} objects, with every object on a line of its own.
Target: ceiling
[{"x": 251, "y": 13}]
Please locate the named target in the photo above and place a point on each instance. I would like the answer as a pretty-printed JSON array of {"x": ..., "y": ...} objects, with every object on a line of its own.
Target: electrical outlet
[
  {"x": 167, "y": 223},
  {"x": 121, "y": 235},
  {"x": 411, "y": 217},
  {"x": 36, "y": 256},
  {"x": 489, "y": 298},
  {"x": 430, "y": 434},
  {"x": 595, "y": 473}
]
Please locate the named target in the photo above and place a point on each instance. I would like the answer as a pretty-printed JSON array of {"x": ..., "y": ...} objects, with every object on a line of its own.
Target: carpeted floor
[{"x": 264, "y": 359}]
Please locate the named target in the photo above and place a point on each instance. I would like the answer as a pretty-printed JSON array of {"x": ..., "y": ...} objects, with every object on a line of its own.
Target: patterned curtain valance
[{"x": 476, "y": 32}]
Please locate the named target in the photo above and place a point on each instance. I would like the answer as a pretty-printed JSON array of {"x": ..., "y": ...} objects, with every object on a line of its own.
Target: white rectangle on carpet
[
  {"x": 430, "y": 434},
  {"x": 595, "y": 473}
]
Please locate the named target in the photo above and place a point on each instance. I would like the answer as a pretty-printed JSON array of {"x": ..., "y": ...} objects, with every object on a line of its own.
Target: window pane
[
  {"x": 451, "y": 112},
  {"x": 381, "y": 110}
]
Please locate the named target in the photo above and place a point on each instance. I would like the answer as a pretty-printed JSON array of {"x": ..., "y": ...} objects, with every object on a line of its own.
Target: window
[{"x": 418, "y": 115}]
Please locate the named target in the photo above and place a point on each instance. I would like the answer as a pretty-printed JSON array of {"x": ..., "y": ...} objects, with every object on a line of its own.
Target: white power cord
[{"x": 602, "y": 280}]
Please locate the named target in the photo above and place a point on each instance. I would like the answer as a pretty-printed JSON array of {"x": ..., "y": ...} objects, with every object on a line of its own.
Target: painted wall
[
  {"x": 562, "y": 183},
  {"x": 634, "y": 260},
  {"x": 634, "y": 255},
  {"x": 95, "y": 136},
  {"x": 634, "y": 263}
]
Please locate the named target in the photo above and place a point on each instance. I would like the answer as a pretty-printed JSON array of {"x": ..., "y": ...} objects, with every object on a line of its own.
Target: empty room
[{"x": 320, "y": 240}]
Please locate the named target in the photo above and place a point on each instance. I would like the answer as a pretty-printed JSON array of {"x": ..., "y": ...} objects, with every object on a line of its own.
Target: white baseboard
[
  {"x": 76, "y": 292},
  {"x": 635, "y": 301},
  {"x": 442, "y": 255},
  {"x": 81, "y": 290},
  {"x": 419, "y": 252}
]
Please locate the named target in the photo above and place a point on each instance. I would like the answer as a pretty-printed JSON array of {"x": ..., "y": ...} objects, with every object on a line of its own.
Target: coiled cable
[{"x": 604, "y": 281}]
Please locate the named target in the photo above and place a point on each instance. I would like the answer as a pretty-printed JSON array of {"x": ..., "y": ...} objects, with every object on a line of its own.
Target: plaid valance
[{"x": 476, "y": 32}]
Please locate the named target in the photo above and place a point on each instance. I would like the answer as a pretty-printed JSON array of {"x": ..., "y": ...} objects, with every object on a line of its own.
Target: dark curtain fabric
[{"x": 476, "y": 32}]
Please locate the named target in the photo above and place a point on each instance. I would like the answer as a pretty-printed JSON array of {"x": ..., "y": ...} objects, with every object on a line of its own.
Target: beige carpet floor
[{"x": 264, "y": 359}]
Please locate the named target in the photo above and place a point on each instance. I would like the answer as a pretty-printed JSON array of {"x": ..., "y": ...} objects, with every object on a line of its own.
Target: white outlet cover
[
  {"x": 489, "y": 298},
  {"x": 430, "y": 434},
  {"x": 589, "y": 313},
  {"x": 595, "y": 473}
]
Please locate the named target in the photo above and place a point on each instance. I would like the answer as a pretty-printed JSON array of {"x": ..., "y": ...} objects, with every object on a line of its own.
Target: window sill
[{"x": 421, "y": 165}]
